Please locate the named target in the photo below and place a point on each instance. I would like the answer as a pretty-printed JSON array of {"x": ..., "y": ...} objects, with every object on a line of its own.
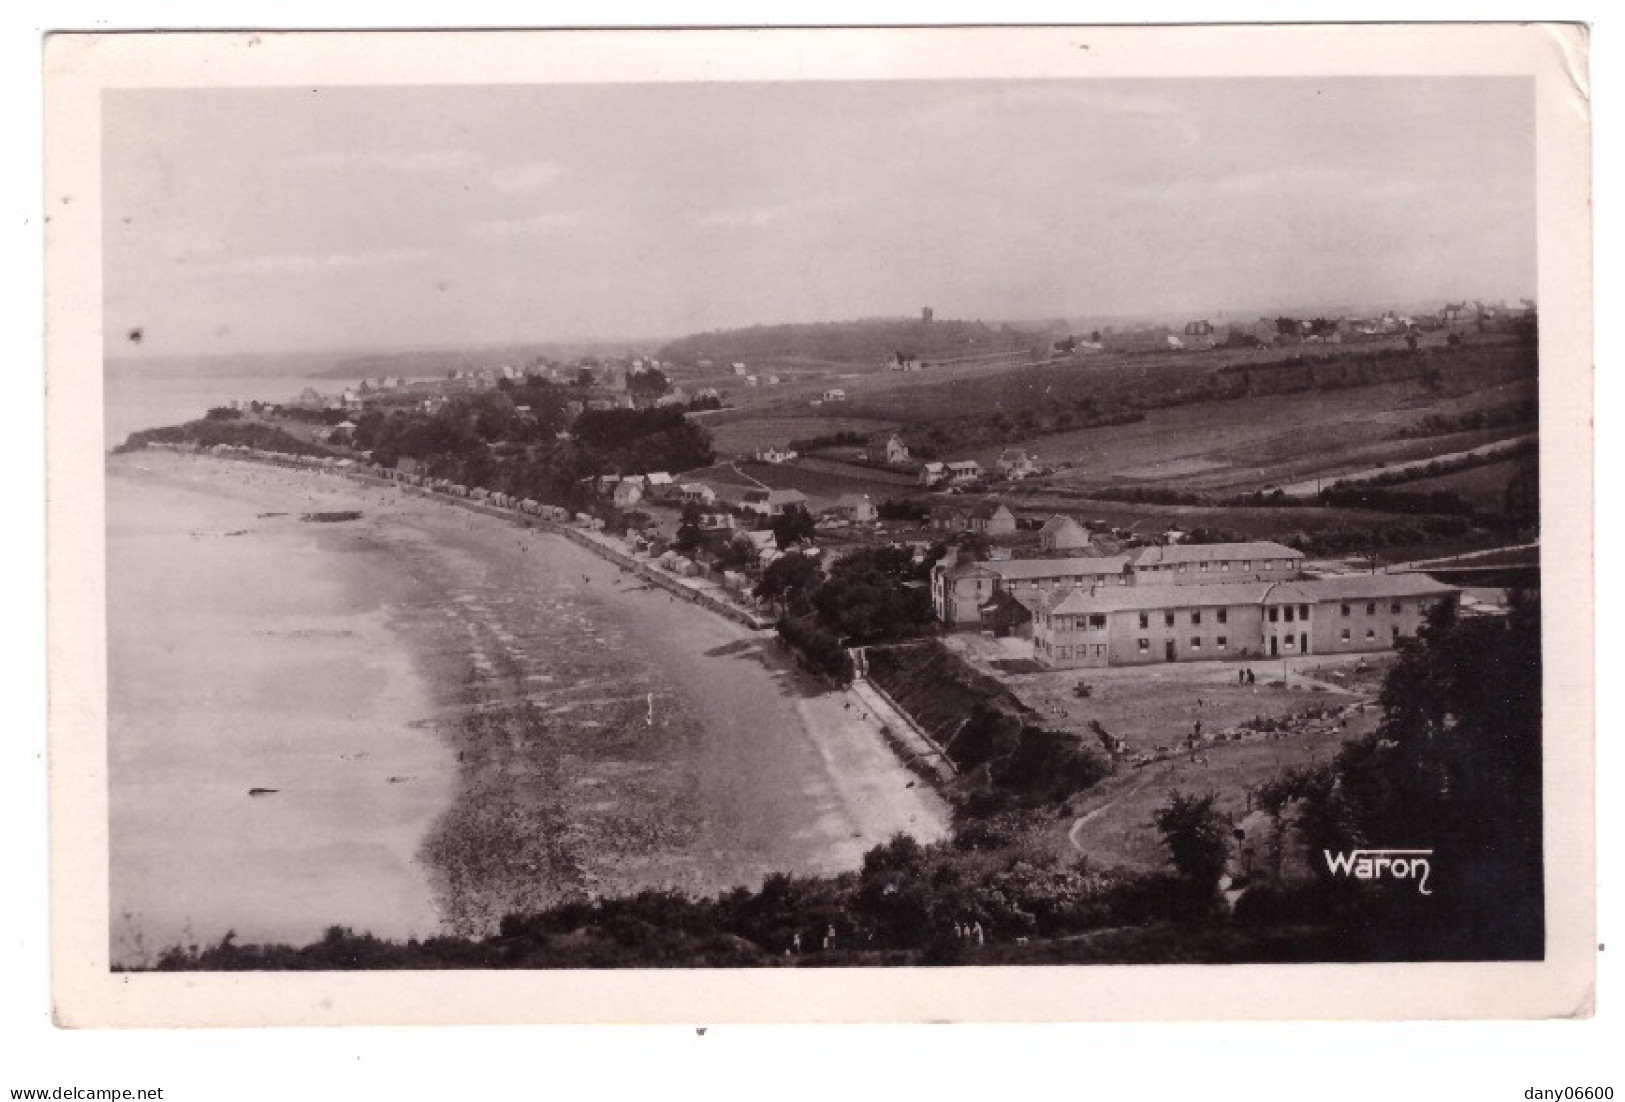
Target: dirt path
[{"x": 1309, "y": 487}]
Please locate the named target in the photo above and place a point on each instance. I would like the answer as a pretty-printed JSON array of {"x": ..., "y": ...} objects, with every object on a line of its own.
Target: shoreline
[{"x": 609, "y": 736}]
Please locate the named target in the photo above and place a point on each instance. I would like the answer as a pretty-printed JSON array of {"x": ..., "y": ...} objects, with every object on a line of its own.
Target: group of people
[
  {"x": 964, "y": 931},
  {"x": 1245, "y": 676}
]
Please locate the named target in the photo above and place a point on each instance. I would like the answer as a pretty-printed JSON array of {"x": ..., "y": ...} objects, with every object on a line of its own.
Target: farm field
[
  {"x": 1218, "y": 446},
  {"x": 1482, "y": 486},
  {"x": 1250, "y": 444},
  {"x": 731, "y": 480},
  {"x": 747, "y": 437}
]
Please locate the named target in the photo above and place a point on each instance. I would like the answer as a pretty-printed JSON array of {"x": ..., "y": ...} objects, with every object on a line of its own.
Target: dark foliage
[{"x": 206, "y": 433}]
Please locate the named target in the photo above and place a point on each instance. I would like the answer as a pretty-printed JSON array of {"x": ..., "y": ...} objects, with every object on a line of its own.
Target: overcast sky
[{"x": 265, "y": 220}]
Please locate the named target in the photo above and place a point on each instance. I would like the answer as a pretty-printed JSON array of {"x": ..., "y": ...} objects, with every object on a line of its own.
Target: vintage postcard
[{"x": 907, "y": 524}]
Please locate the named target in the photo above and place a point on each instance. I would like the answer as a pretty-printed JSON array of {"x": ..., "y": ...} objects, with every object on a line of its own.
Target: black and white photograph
[{"x": 945, "y": 522}]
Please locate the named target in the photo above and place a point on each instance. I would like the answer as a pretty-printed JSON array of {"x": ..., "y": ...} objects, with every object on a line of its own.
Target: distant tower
[{"x": 925, "y": 314}]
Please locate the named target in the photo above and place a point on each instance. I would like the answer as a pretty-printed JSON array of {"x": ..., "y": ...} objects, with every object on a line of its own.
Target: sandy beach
[{"x": 566, "y": 729}]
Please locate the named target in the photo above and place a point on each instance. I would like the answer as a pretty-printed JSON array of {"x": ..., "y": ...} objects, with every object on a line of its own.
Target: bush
[{"x": 819, "y": 650}]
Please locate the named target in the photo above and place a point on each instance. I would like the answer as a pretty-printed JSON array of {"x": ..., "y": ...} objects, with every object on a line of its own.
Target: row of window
[
  {"x": 1082, "y": 650},
  {"x": 1370, "y": 633},
  {"x": 1284, "y": 612},
  {"x": 1222, "y": 566},
  {"x": 1219, "y": 643},
  {"x": 1371, "y": 608},
  {"x": 1221, "y": 616}
]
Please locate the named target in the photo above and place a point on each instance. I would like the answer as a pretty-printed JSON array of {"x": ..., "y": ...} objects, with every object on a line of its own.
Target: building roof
[
  {"x": 1078, "y": 566},
  {"x": 1361, "y": 587},
  {"x": 967, "y": 570},
  {"x": 1130, "y": 598},
  {"x": 962, "y": 465},
  {"x": 659, "y": 478},
  {"x": 1061, "y": 523},
  {"x": 775, "y": 497},
  {"x": 1133, "y": 598},
  {"x": 1212, "y": 552}
]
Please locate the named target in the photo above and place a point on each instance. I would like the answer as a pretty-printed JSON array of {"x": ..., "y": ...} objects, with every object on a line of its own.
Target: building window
[
  {"x": 1145, "y": 619},
  {"x": 1224, "y": 616},
  {"x": 1097, "y": 621},
  {"x": 1196, "y": 642},
  {"x": 1100, "y": 650},
  {"x": 1221, "y": 642},
  {"x": 1395, "y": 630},
  {"x": 1225, "y": 566},
  {"x": 1246, "y": 564},
  {"x": 1145, "y": 645},
  {"x": 1371, "y": 608},
  {"x": 1370, "y": 633},
  {"x": 1196, "y": 618},
  {"x": 1345, "y": 635},
  {"x": 1289, "y": 642},
  {"x": 1394, "y": 608},
  {"x": 1168, "y": 619},
  {"x": 1345, "y": 610},
  {"x": 1303, "y": 612},
  {"x": 1274, "y": 614},
  {"x": 1204, "y": 568}
]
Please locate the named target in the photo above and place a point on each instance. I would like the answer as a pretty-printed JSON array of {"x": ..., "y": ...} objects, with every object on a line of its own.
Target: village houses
[
  {"x": 1014, "y": 463},
  {"x": 856, "y": 509},
  {"x": 628, "y": 492},
  {"x": 771, "y": 503},
  {"x": 992, "y": 518},
  {"x": 697, "y": 492},
  {"x": 1062, "y": 533},
  {"x": 896, "y": 450}
]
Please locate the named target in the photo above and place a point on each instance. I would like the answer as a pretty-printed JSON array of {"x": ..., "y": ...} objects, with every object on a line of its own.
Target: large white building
[{"x": 1140, "y": 624}]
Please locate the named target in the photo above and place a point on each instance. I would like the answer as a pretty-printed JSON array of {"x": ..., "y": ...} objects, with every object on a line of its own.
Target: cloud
[
  {"x": 412, "y": 162},
  {"x": 758, "y": 216},
  {"x": 313, "y": 263},
  {"x": 531, "y": 177},
  {"x": 533, "y": 225}
]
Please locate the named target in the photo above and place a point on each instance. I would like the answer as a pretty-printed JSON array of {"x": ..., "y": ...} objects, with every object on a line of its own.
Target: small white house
[
  {"x": 933, "y": 473},
  {"x": 1015, "y": 463},
  {"x": 628, "y": 492},
  {"x": 835, "y": 394},
  {"x": 896, "y": 450}
]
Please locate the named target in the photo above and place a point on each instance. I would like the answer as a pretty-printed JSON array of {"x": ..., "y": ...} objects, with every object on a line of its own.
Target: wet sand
[{"x": 596, "y": 736}]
